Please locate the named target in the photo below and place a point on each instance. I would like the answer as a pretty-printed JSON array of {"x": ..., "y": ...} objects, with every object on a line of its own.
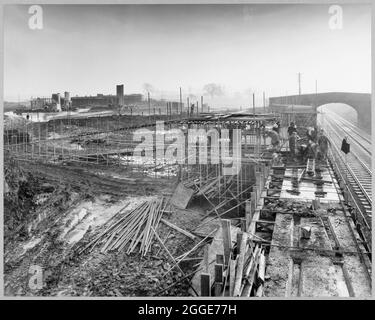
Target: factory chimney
[
  {"x": 67, "y": 101},
  {"x": 56, "y": 99},
  {"x": 120, "y": 94}
]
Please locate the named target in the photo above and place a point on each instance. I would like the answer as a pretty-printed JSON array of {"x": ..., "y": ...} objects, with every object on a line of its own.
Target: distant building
[
  {"x": 40, "y": 103},
  {"x": 58, "y": 102},
  {"x": 98, "y": 100},
  {"x": 105, "y": 100}
]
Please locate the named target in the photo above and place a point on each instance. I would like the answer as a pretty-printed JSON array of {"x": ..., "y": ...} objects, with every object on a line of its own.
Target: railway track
[
  {"x": 348, "y": 126},
  {"x": 354, "y": 168},
  {"x": 360, "y": 141}
]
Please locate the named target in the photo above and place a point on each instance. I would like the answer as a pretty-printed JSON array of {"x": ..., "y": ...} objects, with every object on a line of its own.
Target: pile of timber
[{"x": 133, "y": 228}]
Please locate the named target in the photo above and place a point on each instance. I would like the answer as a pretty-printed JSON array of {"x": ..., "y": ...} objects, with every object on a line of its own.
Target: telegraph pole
[
  {"x": 316, "y": 102},
  {"x": 299, "y": 83},
  {"x": 316, "y": 94},
  {"x": 181, "y": 100},
  {"x": 264, "y": 102},
  {"x": 254, "y": 104},
  {"x": 149, "y": 104}
]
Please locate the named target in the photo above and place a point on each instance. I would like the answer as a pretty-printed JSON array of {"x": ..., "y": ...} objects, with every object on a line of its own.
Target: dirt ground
[{"x": 72, "y": 209}]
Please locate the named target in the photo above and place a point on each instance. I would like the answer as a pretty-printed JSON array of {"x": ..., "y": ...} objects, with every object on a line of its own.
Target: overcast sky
[{"x": 89, "y": 49}]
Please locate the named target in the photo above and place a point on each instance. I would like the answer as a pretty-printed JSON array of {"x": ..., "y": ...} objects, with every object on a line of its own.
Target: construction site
[{"x": 182, "y": 203}]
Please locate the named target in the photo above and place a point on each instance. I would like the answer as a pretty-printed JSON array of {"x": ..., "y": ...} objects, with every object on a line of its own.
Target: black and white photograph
[{"x": 187, "y": 150}]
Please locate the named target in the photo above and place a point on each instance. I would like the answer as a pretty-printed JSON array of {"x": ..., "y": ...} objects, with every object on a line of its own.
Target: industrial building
[
  {"x": 58, "y": 103},
  {"x": 106, "y": 100}
]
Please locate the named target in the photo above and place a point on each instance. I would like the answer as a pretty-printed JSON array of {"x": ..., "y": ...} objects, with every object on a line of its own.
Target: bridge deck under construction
[
  {"x": 310, "y": 244},
  {"x": 314, "y": 252}
]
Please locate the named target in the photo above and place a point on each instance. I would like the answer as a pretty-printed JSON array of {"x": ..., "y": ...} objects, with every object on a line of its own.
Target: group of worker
[{"x": 316, "y": 147}]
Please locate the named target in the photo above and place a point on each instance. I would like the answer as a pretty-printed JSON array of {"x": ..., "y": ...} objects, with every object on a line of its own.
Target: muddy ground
[{"x": 61, "y": 208}]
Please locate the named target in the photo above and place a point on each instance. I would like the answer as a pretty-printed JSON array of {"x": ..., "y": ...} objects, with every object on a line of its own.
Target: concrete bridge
[{"x": 361, "y": 102}]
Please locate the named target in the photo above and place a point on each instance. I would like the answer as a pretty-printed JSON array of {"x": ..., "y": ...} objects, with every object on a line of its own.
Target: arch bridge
[{"x": 361, "y": 102}]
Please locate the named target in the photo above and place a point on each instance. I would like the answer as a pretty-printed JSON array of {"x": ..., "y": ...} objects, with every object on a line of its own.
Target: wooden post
[
  {"x": 239, "y": 240},
  {"x": 262, "y": 267},
  {"x": 205, "y": 285},
  {"x": 218, "y": 279},
  {"x": 253, "y": 203},
  {"x": 218, "y": 288},
  {"x": 227, "y": 240},
  {"x": 258, "y": 193},
  {"x": 240, "y": 265},
  {"x": 220, "y": 259},
  {"x": 252, "y": 208},
  {"x": 219, "y": 268},
  {"x": 205, "y": 258},
  {"x": 258, "y": 178},
  {"x": 243, "y": 225},
  {"x": 248, "y": 216},
  {"x": 232, "y": 275}
]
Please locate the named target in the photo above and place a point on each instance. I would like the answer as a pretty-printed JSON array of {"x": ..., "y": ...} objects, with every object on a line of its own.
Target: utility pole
[
  {"x": 181, "y": 100},
  {"x": 254, "y": 104},
  {"x": 188, "y": 106},
  {"x": 299, "y": 83},
  {"x": 316, "y": 95},
  {"x": 202, "y": 104},
  {"x": 264, "y": 102},
  {"x": 149, "y": 104}
]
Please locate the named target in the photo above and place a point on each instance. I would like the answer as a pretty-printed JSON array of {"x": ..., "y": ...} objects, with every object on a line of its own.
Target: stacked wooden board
[{"x": 132, "y": 229}]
